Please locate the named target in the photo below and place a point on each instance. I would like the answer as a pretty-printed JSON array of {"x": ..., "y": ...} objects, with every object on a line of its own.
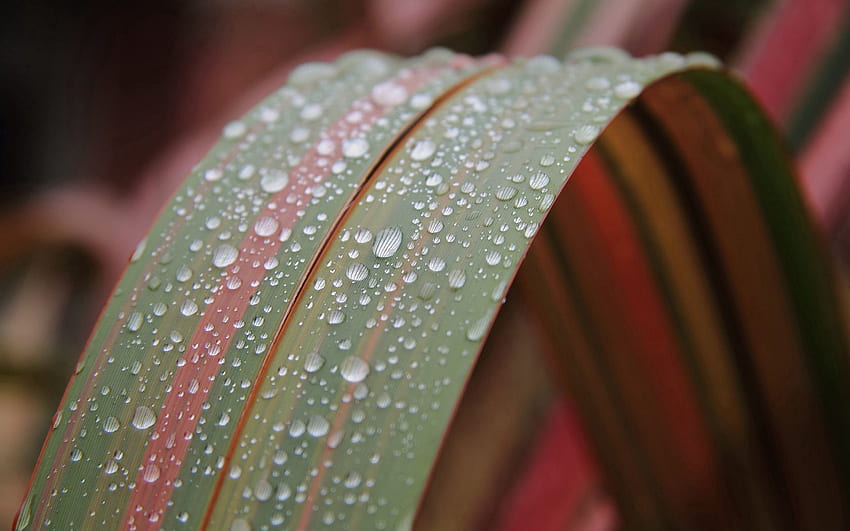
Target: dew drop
[
  {"x": 356, "y": 272},
  {"x": 387, "y": 242},
  {"x": 363, "y": 236},
  {"x": 436, "y": 264},
  {"x": 188, "y": 308},
  {"x": 477, "y": 329},
  {"x": 313, "y": 362},
  {"x": 389, "y": 93},
  {"x": 76, "y": 454},
  {"x": 627, "y": 89},
  {"x": 184, "y": 273},
  {"x": 435, "y": 226},
  {"x": 457, "y": 278},
  {"x": 353, "y": 369},
  {"x": 505, "y": 193},
  {"x": 266, "y": 226},
  {"x": 586, "y": 134},
  {"x": 143, "y": 418},
  {"x": 234, "y": 129},
  {"x": 240, "y": 524},
  {"x": 224, "y": 255},
  {"x": 423, "y": 149},
  {"x": 274, "y": 181},
  {"x": 318, "y": 426},
  {"x": 354, "y": 147},
  {"x": 134, "y": 322},
  {"x": 111, "y": 425},
  {"x": 151, "y": 473},
  {"x": 335, "y": 317},
  {"x": 263, "y": 490},
  {"x": 538, "y": 180},
  {"x": 213, "y": 174}
]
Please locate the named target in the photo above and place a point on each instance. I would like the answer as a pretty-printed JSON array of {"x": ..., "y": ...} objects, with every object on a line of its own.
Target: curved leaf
[{"x": 288, "y": 346}]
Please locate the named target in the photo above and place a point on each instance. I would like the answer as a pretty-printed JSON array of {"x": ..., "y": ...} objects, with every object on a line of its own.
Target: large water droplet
[
  {"x": 313, "y": 362},
  {"x": 188, "y": 308},
  {"x": 354, "y": 147},
  {"x": 538, "y": 180},
  {"x": 457, "y": 278},
  {"x": 318, "y": 426},
  {"x": 586, "y": 134},
  {"x": 389, "y": 93},
  {"x": 356, "y": 272},
  {"x": 224, "y": 255},
  {"x": 111, "y": 425},
  {"x": 143, "y": 418},
  {"x": 353, "y": 369},
  {"x": 627, "y": 89},
  {"x": 423, "y": 149},
  {"x": 274, "y": 181},
  {"x": 266, "y": 226},
  {"x": 151, "y": 473}
]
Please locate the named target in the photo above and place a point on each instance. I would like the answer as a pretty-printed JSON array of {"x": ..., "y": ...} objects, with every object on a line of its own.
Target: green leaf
[{"x": 288, "y": 346}]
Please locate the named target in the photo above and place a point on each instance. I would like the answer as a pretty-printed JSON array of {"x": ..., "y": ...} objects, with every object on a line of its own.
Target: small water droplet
[
  {"x": 263, "y": 490},
  {"x": 76, "y": 454},
  {"x": 335, "y": 317},
  {"x": 134, "y": 322}
]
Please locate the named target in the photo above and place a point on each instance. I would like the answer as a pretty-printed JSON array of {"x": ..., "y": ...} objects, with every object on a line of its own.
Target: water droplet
[
  {"x": 313, "y": 362},
  {"x": 111, "y": 425},
  {"x": 477, "y": 329},
  {"x": 354, "y": 147},
  {"x": 140, "y": 249},
  {"x": 435, "y": 226},
  {"x": 363, "y": 236},
  {"x": 627, "y": 89},
  {"x": 297, "y": 428},
  {"x": 274, "y": 181},
  {"x": 184, "y": 273},
  {"x": 143, "y": 418},
  {"x": 76, "y": 454},
  {"x": 493, "y": 257},
  {"x": 188, "y": 308},
  {"x": 389, "y": 93},
  {"x": 134, "y": 322},
  {"x": 457, "y": 278},
  {"x": 586, "y": 134},
  {"x": 436, "y": 264},
  {"x": 318, "y": 426},
  {"x": 335, "y": 317},
  {"x": 352, "y": 480},
  {"x": 538, "y": 180},
  {"x": 224, "y": 255},
  {"x": 234, "y": 129},
  {"x": 263, "y": 490},
  {"x": 423, "y": 149},
  {"x": 387, "y": 242},
  {"x": 311, "y": 111},
  {"x": 597, "y": 83},
  {"x": 356, "y": 272},
  {"x": 213, "y": 174},
  {"x": 353, "y": 369},
  {"x": 240, "y": 524},
  {"x": 266, "y": 226},
  {"x": 151, "y": 473},
  {"x": 505, "y": 193}
]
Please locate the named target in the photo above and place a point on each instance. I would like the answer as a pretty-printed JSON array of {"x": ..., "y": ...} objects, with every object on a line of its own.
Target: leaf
[{"x": 288, "y": 345}]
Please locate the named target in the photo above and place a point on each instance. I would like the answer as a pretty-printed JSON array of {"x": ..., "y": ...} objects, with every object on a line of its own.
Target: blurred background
[{"x": 106, "y": 106}]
